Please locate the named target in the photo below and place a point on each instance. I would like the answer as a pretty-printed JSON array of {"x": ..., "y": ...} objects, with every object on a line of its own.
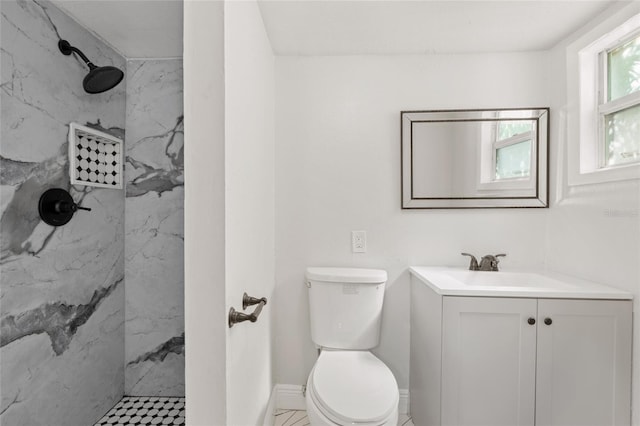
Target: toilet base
[{"x": 317, "y": 418}]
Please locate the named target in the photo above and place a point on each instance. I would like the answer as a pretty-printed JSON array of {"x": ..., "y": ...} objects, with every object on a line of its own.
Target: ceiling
[
  {"x": 418, "y": 27},
  {"x": 135, "y": 28},
  {"x": 153, "y": 28}
]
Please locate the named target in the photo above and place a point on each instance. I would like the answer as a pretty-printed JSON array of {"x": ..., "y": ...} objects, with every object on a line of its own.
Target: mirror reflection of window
[
  {"x": 512, "y": 149},
  {"x": 513, "y": 161}
]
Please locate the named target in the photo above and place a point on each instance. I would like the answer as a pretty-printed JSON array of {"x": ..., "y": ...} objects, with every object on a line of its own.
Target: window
[
  {"x": 620, "y": 104},
  {"x": 512, "y": 149},
  {"x": 508, "y": 154},
  {"x": 603, "y": 112}
]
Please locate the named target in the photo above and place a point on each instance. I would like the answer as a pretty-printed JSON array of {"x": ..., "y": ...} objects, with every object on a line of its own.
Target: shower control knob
[
  {"x": 531, "y": 321},
  {"x": 56, "y": 207}
]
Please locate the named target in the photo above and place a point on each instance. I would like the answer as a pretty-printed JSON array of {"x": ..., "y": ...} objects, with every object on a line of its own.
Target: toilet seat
[{"x": 353, "y": 387}]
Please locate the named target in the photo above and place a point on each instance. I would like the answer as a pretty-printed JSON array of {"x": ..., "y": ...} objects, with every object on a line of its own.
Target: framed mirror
[{"x": 455, "y": 159}]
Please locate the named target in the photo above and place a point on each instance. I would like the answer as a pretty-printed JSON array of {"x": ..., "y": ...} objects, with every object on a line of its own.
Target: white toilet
[{"x": 348, "y": 385}]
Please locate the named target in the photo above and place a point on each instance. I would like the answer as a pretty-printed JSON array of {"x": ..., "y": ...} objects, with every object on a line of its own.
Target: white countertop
[{"x": 450, "y": 281}]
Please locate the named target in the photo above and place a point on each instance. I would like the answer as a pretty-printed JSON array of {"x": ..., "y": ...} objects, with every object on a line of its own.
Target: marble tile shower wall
[
  {"x": 154, "y": 236},
  {"x": 61, "y": 289}
]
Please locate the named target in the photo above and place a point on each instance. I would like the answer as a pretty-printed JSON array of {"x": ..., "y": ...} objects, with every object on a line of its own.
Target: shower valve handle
[
  {"x": 56, "y": 207},
  {"x": 68, "y": 207}
]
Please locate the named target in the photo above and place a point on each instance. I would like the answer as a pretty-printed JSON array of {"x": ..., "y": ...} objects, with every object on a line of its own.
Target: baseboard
[
  {"x": 269, "y": 418},
  {"x": 290, "y": 397},
  {"x": 403, "y": 405}
]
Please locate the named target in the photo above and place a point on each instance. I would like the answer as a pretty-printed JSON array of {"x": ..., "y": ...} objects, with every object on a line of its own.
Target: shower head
[{"x": 99, "y": 79}]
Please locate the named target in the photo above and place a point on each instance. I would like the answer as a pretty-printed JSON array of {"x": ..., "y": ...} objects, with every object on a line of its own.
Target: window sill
[{"x": 616, "y": 174}]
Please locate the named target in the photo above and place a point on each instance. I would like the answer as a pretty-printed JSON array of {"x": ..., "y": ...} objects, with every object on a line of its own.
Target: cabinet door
[
  {"x": 488, "y": 361},
  {"x": 584, "y": 363}
]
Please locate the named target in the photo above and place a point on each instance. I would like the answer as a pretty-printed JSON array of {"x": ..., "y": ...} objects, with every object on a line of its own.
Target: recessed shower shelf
[{"x": 95, "y": 158}]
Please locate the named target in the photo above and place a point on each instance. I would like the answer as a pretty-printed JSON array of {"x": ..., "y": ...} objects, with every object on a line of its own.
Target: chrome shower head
[{"x": 99, "y": 79}]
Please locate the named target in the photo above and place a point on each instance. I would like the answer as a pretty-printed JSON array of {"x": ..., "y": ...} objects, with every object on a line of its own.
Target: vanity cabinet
[
  {"x": 488, "y": 361},
  {"x": 519, "y": 361}
]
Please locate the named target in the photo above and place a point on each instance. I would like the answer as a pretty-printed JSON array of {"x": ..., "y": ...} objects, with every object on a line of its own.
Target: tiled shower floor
[
  {"x": 299, "y": 418},
  {"x": 145, "y": 410}
]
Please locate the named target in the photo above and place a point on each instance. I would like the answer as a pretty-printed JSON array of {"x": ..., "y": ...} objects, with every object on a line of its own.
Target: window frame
[
  {"x": 584, "y": 84},
  {"x": 606, "y": 107},
  {"x": 503, "y": 143}
]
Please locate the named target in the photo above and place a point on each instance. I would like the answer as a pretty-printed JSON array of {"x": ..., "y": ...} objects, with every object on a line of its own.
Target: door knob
[{"x": 548, "y": 321}]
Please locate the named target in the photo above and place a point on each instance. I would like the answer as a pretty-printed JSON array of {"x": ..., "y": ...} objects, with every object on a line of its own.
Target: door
[
  {"x": 488, "y": 361},
  {"x": 584, "y": 362}
]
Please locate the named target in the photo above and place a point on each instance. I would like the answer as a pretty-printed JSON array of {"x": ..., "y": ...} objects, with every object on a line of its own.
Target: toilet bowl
[
  {"x": 351, "y": 388},
  {"x": 348, "y": 385}
]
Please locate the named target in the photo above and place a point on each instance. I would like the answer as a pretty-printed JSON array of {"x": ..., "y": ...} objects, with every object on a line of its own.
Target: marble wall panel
[
  {"x": 61, "y": 289},
  {"x": 154, "y": 237}
]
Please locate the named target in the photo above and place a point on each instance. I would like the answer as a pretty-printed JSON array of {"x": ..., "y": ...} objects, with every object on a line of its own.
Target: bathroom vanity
[{"x": 510, "y": 348}]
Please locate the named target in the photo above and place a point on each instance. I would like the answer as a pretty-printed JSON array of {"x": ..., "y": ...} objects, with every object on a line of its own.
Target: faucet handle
[
  {"x": 490, "y": 262},
  {"x": 473, "y": 265}
]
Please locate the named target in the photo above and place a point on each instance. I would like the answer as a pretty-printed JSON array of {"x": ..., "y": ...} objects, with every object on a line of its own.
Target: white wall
[
  {"x": 205, "y": 310},
  {"x": 338, "y": 170},
  {"x": 229, "y": 211},
  {"x": 250, "y": 198},
  {"x": 593, "y": 230}
]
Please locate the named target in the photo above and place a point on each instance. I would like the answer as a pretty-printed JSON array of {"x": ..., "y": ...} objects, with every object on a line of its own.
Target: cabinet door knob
[
  {"x": 531, "y": 321},
  {"x": 548, "y": 321}
]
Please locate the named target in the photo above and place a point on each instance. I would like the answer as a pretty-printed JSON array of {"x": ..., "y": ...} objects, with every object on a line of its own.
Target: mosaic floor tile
[{"x": 145, "y": 410}]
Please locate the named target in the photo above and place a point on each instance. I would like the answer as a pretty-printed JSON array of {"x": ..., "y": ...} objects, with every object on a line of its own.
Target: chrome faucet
[{"x": 487, "y": 263}]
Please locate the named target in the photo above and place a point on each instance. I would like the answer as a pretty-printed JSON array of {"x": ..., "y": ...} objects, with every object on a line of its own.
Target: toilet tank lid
[{"x": 346, "y": 275}]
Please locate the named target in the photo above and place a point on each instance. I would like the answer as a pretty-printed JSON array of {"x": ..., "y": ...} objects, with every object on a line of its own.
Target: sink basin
[
  {"x": 506, "y": 279},
  {"x": 462, "y": 282}
]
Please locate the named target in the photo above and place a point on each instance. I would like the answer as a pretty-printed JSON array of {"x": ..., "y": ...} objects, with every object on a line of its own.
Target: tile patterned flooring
[
  {"x": 299, "y": 418},
  {"x": 145, "y": 410}
]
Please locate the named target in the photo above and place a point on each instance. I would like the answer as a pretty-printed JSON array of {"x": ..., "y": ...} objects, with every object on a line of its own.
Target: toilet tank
[{"x": 345, "y": 306}]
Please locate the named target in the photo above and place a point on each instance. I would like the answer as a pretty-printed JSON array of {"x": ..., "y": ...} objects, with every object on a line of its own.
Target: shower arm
[{"x": 66, "y": 49}]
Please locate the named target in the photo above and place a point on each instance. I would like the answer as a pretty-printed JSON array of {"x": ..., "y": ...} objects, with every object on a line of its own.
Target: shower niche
[{"x": 95, "y": 158}]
